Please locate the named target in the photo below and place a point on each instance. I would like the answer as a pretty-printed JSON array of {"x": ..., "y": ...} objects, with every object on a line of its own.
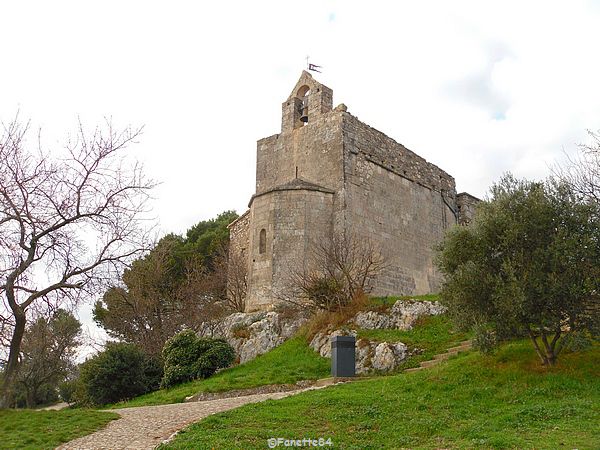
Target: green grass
[
  {"x": 292, "y": 361},
  {"x": 388, "y": 302},
  {"x": 432, "y": 334},
  {"x": 472, "y": 401},
  {"x": 47, "y": 429}
]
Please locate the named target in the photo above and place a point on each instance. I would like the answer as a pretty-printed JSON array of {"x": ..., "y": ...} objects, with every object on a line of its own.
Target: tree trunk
[
  {"x": 13, "y": 359},
  {"x": 548, "y": 353},
  {"x": 30, "y": 398}
]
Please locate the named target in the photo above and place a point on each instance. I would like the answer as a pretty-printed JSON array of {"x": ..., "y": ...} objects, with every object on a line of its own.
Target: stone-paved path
[{"x": 145, "y": 427}]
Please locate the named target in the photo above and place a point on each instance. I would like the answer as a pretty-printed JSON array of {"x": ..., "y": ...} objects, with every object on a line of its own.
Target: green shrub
[
  {"x": 153, "y": 372},
  {"x": 67, "y": 390},
  {"x": 120, "y": 372},
  {"x": 187, "y": 357},
  {"x": 485, "y": 338},
  {"x": 45, "y": 394},
  {"x": 216, "y": 354}
]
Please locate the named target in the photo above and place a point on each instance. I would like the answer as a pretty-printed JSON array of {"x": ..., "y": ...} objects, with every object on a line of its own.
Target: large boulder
[{"x": 388, "y": 356}]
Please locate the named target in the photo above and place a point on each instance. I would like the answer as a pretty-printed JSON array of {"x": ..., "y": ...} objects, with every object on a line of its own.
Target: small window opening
[{"x": 262, "y": 241}]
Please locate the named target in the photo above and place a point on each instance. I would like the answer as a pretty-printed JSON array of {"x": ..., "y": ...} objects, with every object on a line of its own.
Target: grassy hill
[
  {"x": 472, "y": 401},
  {"x": 292, "y": 361}
]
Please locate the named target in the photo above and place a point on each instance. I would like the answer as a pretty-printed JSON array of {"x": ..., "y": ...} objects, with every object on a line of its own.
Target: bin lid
[{"x": 343, "y": 339}]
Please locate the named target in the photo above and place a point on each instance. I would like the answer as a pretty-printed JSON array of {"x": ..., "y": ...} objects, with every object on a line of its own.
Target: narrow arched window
[
  {"x": 302, "y": 94},
  {"x": 262, "y": 241}
]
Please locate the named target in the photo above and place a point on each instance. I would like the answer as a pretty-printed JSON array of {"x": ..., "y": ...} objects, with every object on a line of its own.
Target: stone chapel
[{"x": 327, "y": 173}]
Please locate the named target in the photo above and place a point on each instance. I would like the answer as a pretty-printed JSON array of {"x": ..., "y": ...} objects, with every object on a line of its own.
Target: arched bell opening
[{"x": 303, "y": 94}]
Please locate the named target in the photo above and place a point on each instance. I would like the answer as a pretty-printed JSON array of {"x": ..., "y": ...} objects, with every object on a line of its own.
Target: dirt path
[
  {"x": 145, "y": 427},
  {"x": 56, "y": 407}
]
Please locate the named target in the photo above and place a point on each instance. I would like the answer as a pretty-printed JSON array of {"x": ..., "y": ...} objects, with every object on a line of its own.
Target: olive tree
[
  {"x": 527, "y": 265},
  {"x": 69, "y": 221}
]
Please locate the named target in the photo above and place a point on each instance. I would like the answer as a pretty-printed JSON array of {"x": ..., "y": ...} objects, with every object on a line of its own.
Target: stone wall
[
  {"x": 401, "y": 202},
  {"x": 238, "y": 233},
  {"x": 465, "y": 204},
  {"x": 313, "y": 153},
  {"x": 291, "y": 218}
]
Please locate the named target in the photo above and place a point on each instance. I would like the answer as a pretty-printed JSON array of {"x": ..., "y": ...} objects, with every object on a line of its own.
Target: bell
[{"x": 304, "y": 116}]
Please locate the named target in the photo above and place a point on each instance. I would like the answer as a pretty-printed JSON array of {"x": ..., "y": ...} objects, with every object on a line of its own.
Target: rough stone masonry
[{"x": 327, "y": 173}]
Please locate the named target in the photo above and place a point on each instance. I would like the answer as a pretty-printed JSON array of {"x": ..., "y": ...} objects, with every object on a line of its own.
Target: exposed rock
[
  {"x": 402, "y": 315},
  {"x": 382, "y": 356},
  {"x": 372, "y": 320},
  {"x": 364, "y": 353},
  {"x": 406, "y": 313},
  {"x": 321, "y": 343},
  {"x": 388, "y": 356},
  {"x": 252, "y": 334}
]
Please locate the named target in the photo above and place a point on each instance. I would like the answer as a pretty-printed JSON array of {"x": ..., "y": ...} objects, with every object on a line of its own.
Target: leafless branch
[
  {"x": 69, "y": 221},
  {"x": 336, "y": 272}
]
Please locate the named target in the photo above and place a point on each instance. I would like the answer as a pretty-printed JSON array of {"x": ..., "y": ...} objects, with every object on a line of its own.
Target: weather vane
[{"x": 313, "y": 67}]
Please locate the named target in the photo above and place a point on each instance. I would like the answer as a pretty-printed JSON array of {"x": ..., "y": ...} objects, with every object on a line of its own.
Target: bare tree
[
  {"x": 582, "y": 172},
  {"x": 68, "y": 223},
  {"x": 335, "y": 273},
  {"x": 231, "y": 276}
]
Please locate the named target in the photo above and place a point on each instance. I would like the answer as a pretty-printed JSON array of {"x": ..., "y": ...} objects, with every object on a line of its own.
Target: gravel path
[
  {"x": 145, "y": 427},
  {"x": 55, "y": 407}
]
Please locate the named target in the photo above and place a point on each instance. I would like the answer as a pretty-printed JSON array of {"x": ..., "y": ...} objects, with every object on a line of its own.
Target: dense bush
[
  {"x": 187, "y": 357},
  {"x": 45, "y": 394},
  {"x": 153, "y": 372},
  {"x": 120, "y": 372},
  {"x": 67, "y": 390}
]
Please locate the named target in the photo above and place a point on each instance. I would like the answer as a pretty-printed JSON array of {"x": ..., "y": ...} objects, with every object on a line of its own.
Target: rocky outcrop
[
  {"x": 252, "y": 334},
  {"x": 403, "y": 315},
  {"x": 382, "y": 356}
]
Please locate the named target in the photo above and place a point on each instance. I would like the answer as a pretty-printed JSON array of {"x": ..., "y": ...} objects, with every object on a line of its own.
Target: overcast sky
[{"x": 477, "y": 88}]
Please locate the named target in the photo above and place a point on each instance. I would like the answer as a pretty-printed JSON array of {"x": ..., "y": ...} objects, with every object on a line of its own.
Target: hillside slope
[{"x": 472, "y": 401}]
